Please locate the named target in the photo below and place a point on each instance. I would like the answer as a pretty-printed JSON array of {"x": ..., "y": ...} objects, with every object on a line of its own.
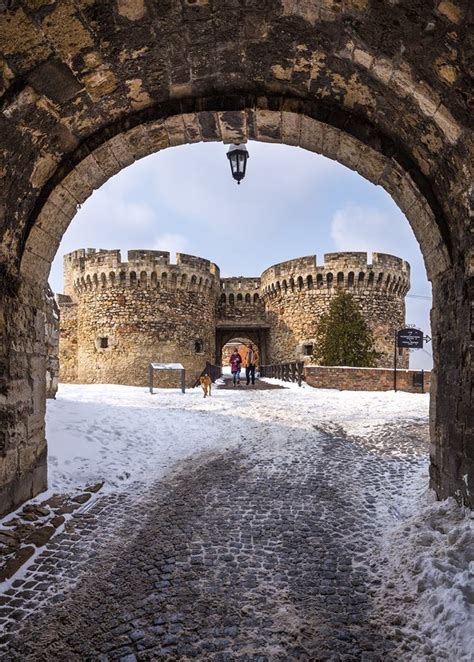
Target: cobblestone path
[
  {"x": 263, "y": 552},
  {"x": 258, "y": 386}
]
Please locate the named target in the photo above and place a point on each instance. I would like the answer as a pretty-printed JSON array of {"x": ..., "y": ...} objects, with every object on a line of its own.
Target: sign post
[{"x": 410, "y": 338}]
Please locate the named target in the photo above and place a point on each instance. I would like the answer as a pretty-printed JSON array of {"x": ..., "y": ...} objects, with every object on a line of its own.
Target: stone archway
[
  {"x": 258, "y": 336},
  {"x": 381, "y": 89}
]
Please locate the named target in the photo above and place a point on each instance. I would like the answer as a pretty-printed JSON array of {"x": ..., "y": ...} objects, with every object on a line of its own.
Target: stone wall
[
  {"x": 296, "y": 293},
  {"x": 364, "y": 379},
  {"x": 120, "y": 316},
  {"x": 240, "y": 300},
  {"x": 52, "y": 344}
]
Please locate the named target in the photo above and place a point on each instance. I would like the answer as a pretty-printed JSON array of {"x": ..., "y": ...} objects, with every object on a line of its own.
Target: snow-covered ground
[{"x": 125, "y": 434}]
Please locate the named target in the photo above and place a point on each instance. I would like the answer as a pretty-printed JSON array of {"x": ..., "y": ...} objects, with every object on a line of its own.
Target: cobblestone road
[{"x": 263, "y": 552}]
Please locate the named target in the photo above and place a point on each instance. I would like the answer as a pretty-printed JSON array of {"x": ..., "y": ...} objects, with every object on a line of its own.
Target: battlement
[
  {"x": 350, "y": 270},
  {"x": 87, "y": 269},
  {"x": 240, "y": 284},
  {"x": 239, "y": 291}
]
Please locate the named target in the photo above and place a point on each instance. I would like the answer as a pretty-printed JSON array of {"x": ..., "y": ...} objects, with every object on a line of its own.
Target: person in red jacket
[{"x": 235, "y": 365}]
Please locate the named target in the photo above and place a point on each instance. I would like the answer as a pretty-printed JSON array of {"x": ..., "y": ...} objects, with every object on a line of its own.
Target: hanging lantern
[{"x": 238, "y": 155}]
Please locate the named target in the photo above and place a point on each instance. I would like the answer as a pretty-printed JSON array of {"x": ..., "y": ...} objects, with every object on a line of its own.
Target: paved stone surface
[
  {"x": 258, "y": 386},
  {"x": 263, "y": 552}
]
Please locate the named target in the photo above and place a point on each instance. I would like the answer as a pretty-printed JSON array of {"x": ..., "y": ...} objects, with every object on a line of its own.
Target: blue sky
[{"x": 292, "y": 203}]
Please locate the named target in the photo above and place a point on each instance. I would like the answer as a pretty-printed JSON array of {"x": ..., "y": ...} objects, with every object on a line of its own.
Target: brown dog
[{"x": 206, "y": 384}]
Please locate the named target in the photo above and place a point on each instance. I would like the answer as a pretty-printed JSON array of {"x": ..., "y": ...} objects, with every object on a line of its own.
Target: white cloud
[
  {"x": 364, "y": 228},
  {"x": 174, "y": 243}
]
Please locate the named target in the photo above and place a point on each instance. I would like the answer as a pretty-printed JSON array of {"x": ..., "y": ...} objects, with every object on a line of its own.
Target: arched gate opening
[{"x": 81, "y": 102}]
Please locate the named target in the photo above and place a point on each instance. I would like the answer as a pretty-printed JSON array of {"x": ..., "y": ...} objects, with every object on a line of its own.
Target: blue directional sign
[{"x": 410, "y": 338}]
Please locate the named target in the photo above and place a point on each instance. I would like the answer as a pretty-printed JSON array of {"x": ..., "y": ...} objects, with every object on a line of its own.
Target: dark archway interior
[{"x": 89, "y": 87}]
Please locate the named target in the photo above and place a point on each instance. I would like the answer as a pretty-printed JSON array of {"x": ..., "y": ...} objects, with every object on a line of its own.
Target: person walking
[
  {"x": 251, "y": 362},
  {"x": 235, "y": 366}
]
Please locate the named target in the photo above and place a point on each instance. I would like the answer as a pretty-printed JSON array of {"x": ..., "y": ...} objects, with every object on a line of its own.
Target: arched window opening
[
  {"x": 361, "y": 277},
  {"x": 371, "y": 279},
  {"x": 96, "y": 281},
  {"x": 231, "y": 299},
  {"x": 247, "y": 298},
  {"x": 309, "y": 282},
  {"x": 112, "y": 277},
  {"x": 255, "y": 297},
  {"x": 300, "y": 283},
  {"x": 183, "y": 280},
  {"x": 103, "y": 280},
  {"x": 350, "y": 279},
  {"x": 154, "y": 278},
  {"x": 285, "y": 286},
  {"x": 239, "y": 298},
  {"x": 223, "y": 298},
  {"x": 292, "y": 284},
  {"x": 133, "y": 278},
  {"x": 143, "y": 279},
  {"x": 319, "y": 281},
  {"x": 340, "y": 279},
  {"x": 330, "y": 279}
]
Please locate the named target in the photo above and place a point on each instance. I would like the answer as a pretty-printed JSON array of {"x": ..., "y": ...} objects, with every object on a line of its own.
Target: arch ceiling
[{"x": 88, "y": 87}]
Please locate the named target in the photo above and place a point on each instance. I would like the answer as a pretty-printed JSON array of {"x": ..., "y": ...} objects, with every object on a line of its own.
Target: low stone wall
[{"x": 363, "y": 379}]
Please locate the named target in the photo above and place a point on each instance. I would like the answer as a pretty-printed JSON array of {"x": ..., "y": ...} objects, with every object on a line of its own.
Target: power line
[{"x": 419, "y": 296}]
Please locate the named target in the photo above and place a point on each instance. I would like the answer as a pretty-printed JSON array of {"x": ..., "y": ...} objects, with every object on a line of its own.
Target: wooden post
[
  {"x": 300, "y": 372},
  {"x": 150, "y": 377},
  {"x": 183, "y": 380}
]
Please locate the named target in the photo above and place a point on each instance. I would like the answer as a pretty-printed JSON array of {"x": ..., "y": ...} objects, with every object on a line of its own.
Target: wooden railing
[
  {"x": 214, "y": 372},
  {"x": 288, "y": 372}
]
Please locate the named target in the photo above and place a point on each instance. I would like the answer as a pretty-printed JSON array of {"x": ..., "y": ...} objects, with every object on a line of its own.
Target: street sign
[{"x": 410, "y": 338}]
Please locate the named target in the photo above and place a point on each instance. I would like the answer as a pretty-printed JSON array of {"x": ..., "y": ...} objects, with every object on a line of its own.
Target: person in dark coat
[
  {"x": 251, "y": 362},
  {"x": 235, "y": 365}
]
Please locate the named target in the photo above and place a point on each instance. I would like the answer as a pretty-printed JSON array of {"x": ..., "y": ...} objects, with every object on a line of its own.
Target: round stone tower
[
  {"x": 117, "y": 317},
  {"x": 296, "y": 293}
]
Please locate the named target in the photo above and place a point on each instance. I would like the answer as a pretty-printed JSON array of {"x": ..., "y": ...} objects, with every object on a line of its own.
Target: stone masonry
[
  {"x": 117, "y": 317},
  {"x": 121, "y": 316},
  {"x": 296, "y": 293},
  {"x": 89, "y": 87}
]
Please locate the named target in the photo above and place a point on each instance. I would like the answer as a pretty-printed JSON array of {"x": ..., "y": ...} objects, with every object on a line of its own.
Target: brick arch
[
  {"x": 76, "y": 111},
  {"x": 68, "y": 189}
]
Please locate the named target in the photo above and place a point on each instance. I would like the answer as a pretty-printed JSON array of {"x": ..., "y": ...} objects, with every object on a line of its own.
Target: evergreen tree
[{"x": 343, "y": 337}]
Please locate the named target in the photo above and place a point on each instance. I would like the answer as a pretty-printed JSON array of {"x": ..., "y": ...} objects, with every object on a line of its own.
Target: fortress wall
[
  {"x": 128, "y": 314},
  {"x": 68, "y": 347},
  {"x": 240, "y": 299},
  {"x": 298, "y": 292},
  {"x": 117, "y": 317}
]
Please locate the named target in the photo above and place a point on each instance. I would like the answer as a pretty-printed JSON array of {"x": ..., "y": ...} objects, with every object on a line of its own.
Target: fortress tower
[
  {"x": 117, "y": 317},
  {"x": 296, "y": 293}
]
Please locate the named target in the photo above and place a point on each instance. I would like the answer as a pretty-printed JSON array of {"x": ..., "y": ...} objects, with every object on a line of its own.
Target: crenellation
[{"x": 86, "y": 269}]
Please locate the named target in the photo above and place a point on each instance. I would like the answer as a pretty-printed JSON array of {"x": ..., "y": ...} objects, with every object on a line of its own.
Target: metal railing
[
  {"x": 214, "y": 372},
  {"x": 288, "y": 372}
]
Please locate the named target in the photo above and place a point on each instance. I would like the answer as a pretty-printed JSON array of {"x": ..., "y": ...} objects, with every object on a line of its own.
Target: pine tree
[{"x": 343, "y": 337}]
